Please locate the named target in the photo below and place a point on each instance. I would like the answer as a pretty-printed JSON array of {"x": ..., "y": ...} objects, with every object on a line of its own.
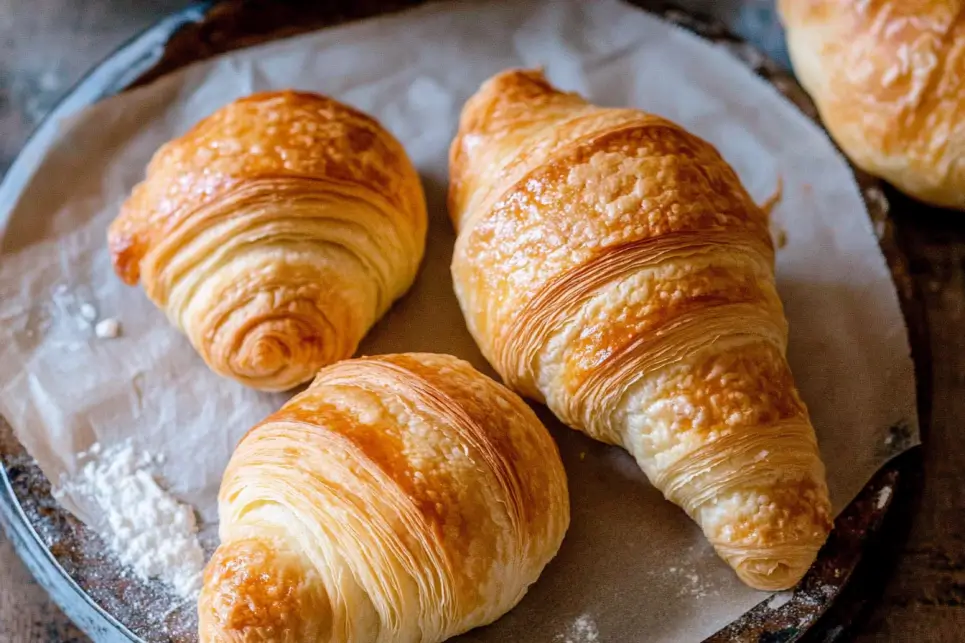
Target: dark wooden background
[{"x": 46, "y": 45}]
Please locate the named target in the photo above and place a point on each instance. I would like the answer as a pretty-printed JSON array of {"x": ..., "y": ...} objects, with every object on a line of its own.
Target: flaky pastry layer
[
  {"x": 399, "y": 499},
  {"x": 274, "y": 234},
  {"x": 610, "y": 264}
]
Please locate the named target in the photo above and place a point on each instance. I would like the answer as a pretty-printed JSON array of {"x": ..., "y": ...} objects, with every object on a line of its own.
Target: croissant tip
[
  {"x": 269, "y": 352},
  {"x": 775, "y": 578},
  {"x": 256, "y": 590},
  {"x": 125, "y": 258},
  {"x": 525, "y": 74}
]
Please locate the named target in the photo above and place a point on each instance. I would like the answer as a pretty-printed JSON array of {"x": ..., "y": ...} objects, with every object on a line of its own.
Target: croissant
[
  {"x": 888, "y": 77},
  {"x": 610, "y": 264},
  {"x": 400, "y": 498},
  {"x": 274, "y": 234}
]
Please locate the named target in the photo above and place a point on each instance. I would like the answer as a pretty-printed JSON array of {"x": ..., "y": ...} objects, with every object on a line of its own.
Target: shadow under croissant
[
  {"x": 610, "y": 500},
  {"x": 427, "y": 318}
]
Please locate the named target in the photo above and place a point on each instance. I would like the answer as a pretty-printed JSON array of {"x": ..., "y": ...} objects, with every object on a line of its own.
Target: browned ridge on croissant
[
  {"x": 610, "y": 264},
  {"x": 274, "y": 234},
  {"x": 399, "y": 499}
]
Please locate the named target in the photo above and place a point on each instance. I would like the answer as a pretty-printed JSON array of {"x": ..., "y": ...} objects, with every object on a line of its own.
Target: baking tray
[{"x": 111, "y": 605}]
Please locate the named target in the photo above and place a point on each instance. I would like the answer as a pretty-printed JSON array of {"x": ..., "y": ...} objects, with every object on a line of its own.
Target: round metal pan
[{"x": 71, "y": 563}]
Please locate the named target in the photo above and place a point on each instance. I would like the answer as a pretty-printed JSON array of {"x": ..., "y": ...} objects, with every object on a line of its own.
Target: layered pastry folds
[
  {"x": 399, "y": 499},
  {"x": 610, "y": 264},
  {"x": 274, "y": 234}
]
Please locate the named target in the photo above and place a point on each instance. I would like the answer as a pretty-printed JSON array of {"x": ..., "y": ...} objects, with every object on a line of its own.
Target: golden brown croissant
[
  {"x": 399, "y": 499},
  {"x": 274, "y": 234},
  {"x": 611, "y": 264},
  {"x": 888, "y": 77}
]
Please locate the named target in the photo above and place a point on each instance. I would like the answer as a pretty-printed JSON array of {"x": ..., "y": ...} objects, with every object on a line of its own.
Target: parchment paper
[{"x": 633, "y": 567}]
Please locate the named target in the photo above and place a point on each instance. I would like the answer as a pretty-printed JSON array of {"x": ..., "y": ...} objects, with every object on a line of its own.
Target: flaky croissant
[
  {"x": 888, "y": 77},
  {"x": 274, "y": 234},
  {"x": 399, "y": 499},
  {"x": 610, "y": 264}
]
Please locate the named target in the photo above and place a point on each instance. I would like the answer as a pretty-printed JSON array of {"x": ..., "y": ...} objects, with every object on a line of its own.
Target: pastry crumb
[
  {"x": 107, "y": 328},
  {"x": 884, "y": 495}
]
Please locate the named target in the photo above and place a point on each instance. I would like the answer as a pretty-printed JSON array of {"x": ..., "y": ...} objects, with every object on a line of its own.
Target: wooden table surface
[{"x": 46, "y": 45}]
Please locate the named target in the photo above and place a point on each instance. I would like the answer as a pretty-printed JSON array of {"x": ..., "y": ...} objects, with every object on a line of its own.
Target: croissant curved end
[
  {"x": 769, "y": 575},
  {"x": 256, "y": 590},
  {"x": 126, "y": 253},
  {"x": 274, "y": 234},
  {"x": 271, "y": 354},
  {"x": 779, "y": 552}
]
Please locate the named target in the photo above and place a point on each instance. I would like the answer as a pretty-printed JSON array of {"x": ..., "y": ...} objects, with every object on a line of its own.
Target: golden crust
[
  {"x": 399, "y": 498},
  {"x": 259, "y": 585},
  {"x": 611, "y": 264},
  {"x": 888, "y": 77},
  {"x": 274, "y": 234},
  {"x": 271, "y": 134}
]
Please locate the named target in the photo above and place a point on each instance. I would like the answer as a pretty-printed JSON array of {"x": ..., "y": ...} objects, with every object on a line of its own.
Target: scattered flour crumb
[
  {"x": 889, "y": 439},
  {"x": 691, "y": 583},
  {"x": 582, "y": 630},
  {"x": 779, "y": 600},
  {"x": 142, "y": 524},
  {"x": 884, "y": 494},
  {"x": 73, "y": 308},
  {"x": 107, "y": 328}
]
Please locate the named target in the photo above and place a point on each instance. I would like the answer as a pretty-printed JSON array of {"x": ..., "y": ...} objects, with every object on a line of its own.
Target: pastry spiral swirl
[{"x": 274, "y": 234}]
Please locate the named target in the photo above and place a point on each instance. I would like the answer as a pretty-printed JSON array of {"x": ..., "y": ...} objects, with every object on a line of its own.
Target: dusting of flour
[
  {"x": 779, "y": 600},
  {"x": 148, "y": 530},
  {"x": 884, "y": 495},
  {"x": 582, "y": 630}
]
